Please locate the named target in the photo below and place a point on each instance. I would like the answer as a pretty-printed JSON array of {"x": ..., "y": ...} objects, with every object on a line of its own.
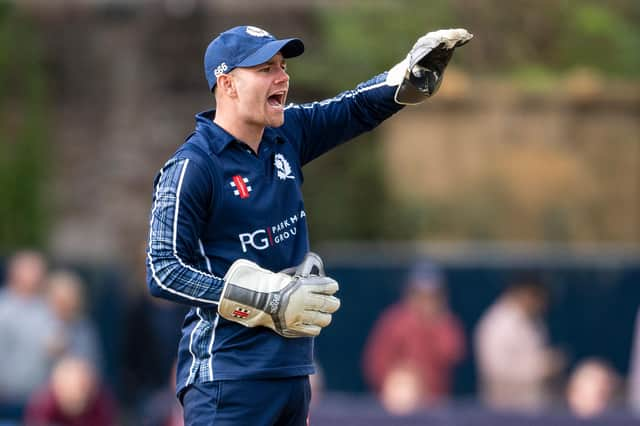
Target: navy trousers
[{"x": 268, "y": 402}]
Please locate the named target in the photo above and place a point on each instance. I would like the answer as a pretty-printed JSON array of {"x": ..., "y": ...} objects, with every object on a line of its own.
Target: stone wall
[{"x": 563, "y": 163}]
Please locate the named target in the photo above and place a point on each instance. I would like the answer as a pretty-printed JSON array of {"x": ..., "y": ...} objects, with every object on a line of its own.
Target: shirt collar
[{"x": 218, "y": 138}]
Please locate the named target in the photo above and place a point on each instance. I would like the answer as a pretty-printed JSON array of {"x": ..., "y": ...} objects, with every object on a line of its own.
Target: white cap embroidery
[
  {"x": 220, "y": 69},
  {"x": 257, "y": 32}
]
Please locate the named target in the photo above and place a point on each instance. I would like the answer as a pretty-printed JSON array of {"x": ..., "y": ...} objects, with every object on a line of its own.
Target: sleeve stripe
[
  {"x": 175, "y": 226},
  {"x": 204, "y": 255},
  {"x": 175, "y": 254},
  {"x": 192, "y": 371},
  {"x": 339, "y": 98},
  {"x": 213, "y": 338}
]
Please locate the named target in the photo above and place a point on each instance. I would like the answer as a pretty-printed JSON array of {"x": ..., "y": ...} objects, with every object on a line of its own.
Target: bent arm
[{"x": 182, "y": 191}]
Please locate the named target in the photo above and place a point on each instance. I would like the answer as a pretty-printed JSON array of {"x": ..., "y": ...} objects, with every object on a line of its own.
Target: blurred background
[{"x": 523, "y": 172}]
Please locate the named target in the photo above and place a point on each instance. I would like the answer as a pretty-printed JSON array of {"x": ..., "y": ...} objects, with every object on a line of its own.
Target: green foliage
[
  {"x": 340, "y": 190},
  {"x": 534, "y": 79},
  {"x": 603, "y": 38},
  {"x": 23, "y": 147},
  {"x": 360, "y": 39}
]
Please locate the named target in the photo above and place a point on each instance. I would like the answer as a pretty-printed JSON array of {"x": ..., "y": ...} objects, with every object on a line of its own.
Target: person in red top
[
  {"x": 74, "y": 396},
  {"x": 414, "y": 345}
]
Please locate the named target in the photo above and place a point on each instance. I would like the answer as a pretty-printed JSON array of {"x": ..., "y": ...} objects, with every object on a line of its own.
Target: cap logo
[
  {"x": 220, "y": 69},
  {"x": 257, "y": 32}
]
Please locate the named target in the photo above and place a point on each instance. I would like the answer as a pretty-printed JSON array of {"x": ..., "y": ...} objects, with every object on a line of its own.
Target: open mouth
[{"x": 276, "y": 100}]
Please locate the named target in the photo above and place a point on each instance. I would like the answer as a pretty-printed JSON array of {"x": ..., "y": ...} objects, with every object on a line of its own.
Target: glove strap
[
  {"x": 311, "y": 261},
  {"x": 262, "y": 303},
  {"x": 419, "y": 83}
]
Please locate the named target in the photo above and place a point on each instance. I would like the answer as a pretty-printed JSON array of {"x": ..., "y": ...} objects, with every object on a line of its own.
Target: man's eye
[{"x": 265, "y": 69}]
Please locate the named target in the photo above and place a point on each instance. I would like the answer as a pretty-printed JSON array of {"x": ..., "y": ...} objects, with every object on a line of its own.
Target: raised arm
[{"x": 319, "y": 126}]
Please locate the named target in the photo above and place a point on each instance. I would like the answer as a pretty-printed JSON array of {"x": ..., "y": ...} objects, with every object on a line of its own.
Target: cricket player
[{"x": 228, "y": 229}]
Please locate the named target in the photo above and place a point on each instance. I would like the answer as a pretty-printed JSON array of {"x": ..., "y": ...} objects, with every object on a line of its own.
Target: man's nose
[{"x": 282, "y": 76}]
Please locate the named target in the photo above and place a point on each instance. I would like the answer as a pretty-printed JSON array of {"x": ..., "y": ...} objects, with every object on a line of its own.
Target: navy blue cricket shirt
[{"x": 215, "y": 201}]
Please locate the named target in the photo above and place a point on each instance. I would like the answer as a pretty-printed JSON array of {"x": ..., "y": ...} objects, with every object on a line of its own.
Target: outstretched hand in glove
[{"x": 419, "y": 75}]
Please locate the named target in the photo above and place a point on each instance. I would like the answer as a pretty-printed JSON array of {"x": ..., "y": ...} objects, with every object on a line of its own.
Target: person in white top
[
  {"x": 634, "y": 370},
  {"x": 514, "y": 359}
]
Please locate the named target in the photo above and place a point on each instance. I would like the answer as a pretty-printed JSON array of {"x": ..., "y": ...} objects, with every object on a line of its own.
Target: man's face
[
  {"x": 534, "y": 301},
  {"x": 262, "y": 92}
]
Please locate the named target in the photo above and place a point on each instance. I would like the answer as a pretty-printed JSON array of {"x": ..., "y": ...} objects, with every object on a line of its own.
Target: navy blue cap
[
  {"x": 245, "y": 46},
  {"x": 425, "y": 275}
]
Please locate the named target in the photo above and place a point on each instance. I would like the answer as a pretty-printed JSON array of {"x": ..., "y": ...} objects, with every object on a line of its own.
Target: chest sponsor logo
[
  {"x": 263, "y": 238},
  {"x": 241, "y": 189},
  {"x": 283, "y": 168}
]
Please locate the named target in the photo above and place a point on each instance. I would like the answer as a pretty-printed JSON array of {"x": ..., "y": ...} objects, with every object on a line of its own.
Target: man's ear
[{"x": 226, "y": 85}]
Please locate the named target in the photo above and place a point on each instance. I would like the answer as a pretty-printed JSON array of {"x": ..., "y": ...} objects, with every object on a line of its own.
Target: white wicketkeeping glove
[
  {"x": 297, "y": 305},
  {"x": 419, "y": 75}
]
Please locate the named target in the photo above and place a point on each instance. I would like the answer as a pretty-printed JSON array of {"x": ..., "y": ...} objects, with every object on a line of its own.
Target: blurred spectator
[
  {"x": 26, "y": 329},
  {"x": 162, "y": 407},
  {"x": 592, "y": 388},
  {"x": 151, "y": 323},
  {"x": 416, "y": 342},
  {"x": 515, "y": 362},
  {"x": 74, "y": 396},
  {"x": 76, "y": 335},
  {"x": 402, "y": 391},
  {"x": 634, "y": 370}
]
